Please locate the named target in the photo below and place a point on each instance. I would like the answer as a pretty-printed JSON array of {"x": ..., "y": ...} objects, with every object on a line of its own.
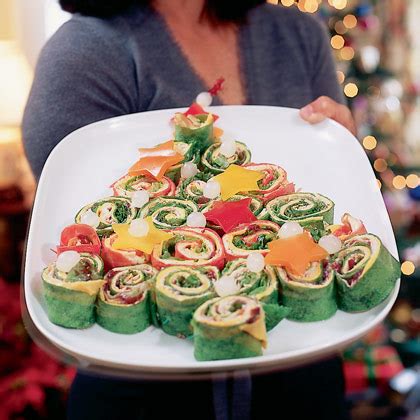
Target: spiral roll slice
[
  {"x": 311, "y": 211},
  {"x": 168, "y": 212},
  {"x": 180, "y": 291},
  {"x": 192, "y": 188},
  {"x": 186, "y": 150},
  {"x": 274, "y": 183},
  {"x": 249, "y": 238},
  {"x": 70, "y": 296},
  {"x": 129, "y": 184},
  {"x": 123, "y": 301},
  {"x": 366, "y": 273},
  {"x": 110, "y": 211},
  {"x": 310, "y": 297},
  {"x": 263, "y": 286},
  {"x": 215, "y": 162},
  {"x": 229, "y": 328},
  {"x": 192, "y": 247},
  {"x": 196, "y": 130}
]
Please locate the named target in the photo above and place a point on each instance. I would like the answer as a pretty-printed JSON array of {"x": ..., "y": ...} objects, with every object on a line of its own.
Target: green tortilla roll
[
  {"x": 127, "y": 185},
  {"x": 231, "y": 327},
  {"x": 186, "y": 150},
  {"x": 168, "y": 212},
  {"x": 196, "y": 130},
  {"x": 215, "y": 162},
  {"x": 110, "y": 210},
  {"x": 249, "y": 238},
  {"x": 366, "y": 273},
  {"x": 192, "y": 188},
  {"x": 70, "y": 297},
  {"x": 179, "y": 292},
  {"x": 308, "y": 209},
  {"x": 123, "y": 301},
  {"x": 263, "y": 286},
  {"x": 310, "y": 297}
]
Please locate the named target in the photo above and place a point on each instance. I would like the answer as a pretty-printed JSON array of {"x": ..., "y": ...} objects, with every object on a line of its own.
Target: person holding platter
[{"x": 118, "y": 57}]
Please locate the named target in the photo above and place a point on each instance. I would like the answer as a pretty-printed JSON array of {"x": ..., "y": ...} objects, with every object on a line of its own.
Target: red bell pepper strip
[{"x": 80, "y": 238}]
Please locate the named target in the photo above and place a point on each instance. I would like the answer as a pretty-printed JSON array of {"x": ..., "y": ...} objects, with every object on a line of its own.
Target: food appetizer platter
[{"x": 247, "y": 240}]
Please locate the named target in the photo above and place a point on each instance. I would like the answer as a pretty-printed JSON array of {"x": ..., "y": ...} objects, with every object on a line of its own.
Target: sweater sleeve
[{"x": 84, "y": 74}]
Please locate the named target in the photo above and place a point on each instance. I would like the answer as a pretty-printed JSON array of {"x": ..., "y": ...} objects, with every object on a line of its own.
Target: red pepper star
[{"x": 229, "y": 214}]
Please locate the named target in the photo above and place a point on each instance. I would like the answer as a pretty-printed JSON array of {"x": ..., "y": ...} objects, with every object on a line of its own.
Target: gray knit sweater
[{"x": 93, "y": 69}]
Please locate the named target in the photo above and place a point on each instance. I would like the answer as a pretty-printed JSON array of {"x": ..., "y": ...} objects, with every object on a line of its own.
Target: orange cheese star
[
  {"x": 155, "y": 161},
  {"x": 295, "y": 253},
  {"x": 144, "y": 243},
  {"x": 237, "y": 179},
  {"x": 217, "y": 132}
]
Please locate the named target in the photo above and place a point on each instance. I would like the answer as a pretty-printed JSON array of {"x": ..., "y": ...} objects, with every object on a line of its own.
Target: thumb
[{"x": 310, "y": 114}]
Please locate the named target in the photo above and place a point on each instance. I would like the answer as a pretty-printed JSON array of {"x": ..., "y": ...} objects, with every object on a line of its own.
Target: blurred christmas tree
[
  {"x": 372, "y": 41},
  {"x": 377, "y": 49}
]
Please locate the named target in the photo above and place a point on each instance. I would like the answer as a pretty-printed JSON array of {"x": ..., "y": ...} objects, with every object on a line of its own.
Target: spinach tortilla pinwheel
[
  {"x": 250, "y": 238},
  {"x": 123, "y": 302},
  {"x": 129, "y": 184},
  {"x": 274, "y": 183},
  {"x": 186, "y": 150},
  {"x": 110, "y": 210},
  {"x": 310, "y": 210},
  {"x": 263, "y": 286},
  {"x": 310, "y": 297},
  {"x": 366, "y": 273},
  {"x": 70, "y": 296},
  {"x": 230, "y": 327},
  {"x": 194, "y": 129},
  {"x": 179, "y": 292},
  {"x": 193, "y": 247},
  {"x": 168, "y": 212},
  {"x": 192, "y": 188},
  {"x": 215, "y": 162}
]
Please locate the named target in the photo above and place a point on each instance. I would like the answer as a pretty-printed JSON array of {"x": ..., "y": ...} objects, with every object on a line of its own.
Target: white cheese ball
[
  {"x": 255, "y": 262},
  {"x": 228, "y": 148},
  {"x": 138, "y": 228},
  {"x": 204, "y": 99},
  {"x": 67, "y": 260},
  {"x": 188, "y": 170},
  {"x": 196, "y": 219},
  {"x": 330, "y": 243},
  {"x": 140, "y": 198},
  {"x": 290, "y": 229},
  {"x": 211, "y": 189},
  {"x": 90, "y": 218},
  {"x": 226, "y": 137},
  {"x": 226, "y": 285}
]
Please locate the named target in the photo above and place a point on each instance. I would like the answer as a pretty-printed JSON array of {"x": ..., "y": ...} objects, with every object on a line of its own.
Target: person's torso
[{"x": 275, "y": 63}]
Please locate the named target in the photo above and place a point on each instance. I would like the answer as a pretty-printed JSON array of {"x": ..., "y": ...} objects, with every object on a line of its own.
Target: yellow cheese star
[
  {"x": 144, "y": 243},
  {"x": 237, "y": 179}
]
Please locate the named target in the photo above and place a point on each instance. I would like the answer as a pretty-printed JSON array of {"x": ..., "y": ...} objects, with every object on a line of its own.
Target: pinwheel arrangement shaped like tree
[{"x": 205, "y": 244}]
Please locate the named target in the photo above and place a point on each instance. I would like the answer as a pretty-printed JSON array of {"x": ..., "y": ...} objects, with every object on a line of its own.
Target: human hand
[{"x": 325, "y": 107}]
